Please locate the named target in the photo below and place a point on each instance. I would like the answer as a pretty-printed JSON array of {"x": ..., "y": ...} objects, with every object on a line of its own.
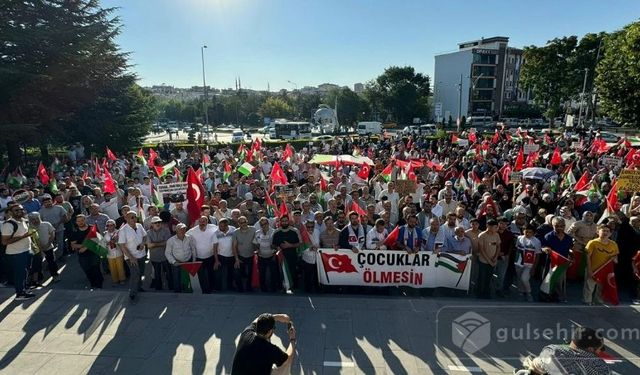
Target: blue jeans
[{"x": 20, "y": 267}]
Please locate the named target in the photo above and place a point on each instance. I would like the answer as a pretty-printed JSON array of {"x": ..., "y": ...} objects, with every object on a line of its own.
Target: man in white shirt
[
  {"x": 110, "y": 206},
  {"x": 17, "y": 238},
  {"x": 131, "y": 240},
  {"x": 223, "y": 253},
  {"x": 204, "y": 237}
]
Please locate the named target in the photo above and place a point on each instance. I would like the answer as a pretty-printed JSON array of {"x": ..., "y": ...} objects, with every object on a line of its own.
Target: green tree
[
  {"x": 618, "y": 75},
  {"x": 275, "y": 108},
  {"x": 119, "y": 118},
  {"x": 549, "y": 72},
  {"x": 401, "y": 92},
  {"x": 350, "y": 105},
  {"x": 56, "y": 57}
]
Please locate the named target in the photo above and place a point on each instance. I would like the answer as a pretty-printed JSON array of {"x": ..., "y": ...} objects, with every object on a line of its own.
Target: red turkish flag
[
  {"x": 496, "y": 137},
  {"x": 195, "y": 195},
  {"x": 357, "y": 209},
  {"x": 392, "y": 238},
  {"x": 42, "y": 174},
  {"x": 364, "y": 172},
  {"x": 607, "y": 280},
  {"x": 337, "y": 263},
  {"x": 556, "y": 159},
  {"x": 277, "y": 175},
  {"x": 111, "y": 155},
  {"x": 152, "y": 158},
  {"x": 109, "y": 183}
]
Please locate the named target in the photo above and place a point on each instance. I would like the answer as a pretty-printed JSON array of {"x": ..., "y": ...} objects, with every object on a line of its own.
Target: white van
[{"x": 369, "y": 127}]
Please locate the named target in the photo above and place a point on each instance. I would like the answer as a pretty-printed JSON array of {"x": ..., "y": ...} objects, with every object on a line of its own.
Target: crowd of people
[{"x": 275, "y": 204}]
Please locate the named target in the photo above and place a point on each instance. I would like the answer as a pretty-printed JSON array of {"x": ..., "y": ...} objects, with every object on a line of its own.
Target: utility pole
[
  {"x": 584, "y": 88},
  {"x": 459, "y": 121},
  {"x": 206, "y": 100}
]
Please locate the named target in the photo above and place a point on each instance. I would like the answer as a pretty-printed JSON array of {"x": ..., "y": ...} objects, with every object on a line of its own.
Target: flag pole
[{"x": 326, "y": 275}]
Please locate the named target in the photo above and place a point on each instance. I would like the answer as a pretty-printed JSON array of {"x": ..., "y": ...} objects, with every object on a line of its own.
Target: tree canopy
[{"x": 59, "y": 59}]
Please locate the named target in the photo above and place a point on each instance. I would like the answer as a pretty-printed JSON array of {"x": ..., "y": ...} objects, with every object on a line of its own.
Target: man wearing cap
[
  {"x": 204, "y": 238},
  {"x": 249, "y": 208},
  {"x": 131, "y": 239},
  {"x": 57, "y": 216},
  {"x": 448, "y": 188},
  {"x": 17, "y": 239},
  {"x": 46, "y": 237},
  {"x": 157, "y": 237},
  {"x": 179, "y": 249}
]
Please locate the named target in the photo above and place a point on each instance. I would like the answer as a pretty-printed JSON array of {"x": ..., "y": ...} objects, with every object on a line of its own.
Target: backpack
[{"x": 3, "y": 247}]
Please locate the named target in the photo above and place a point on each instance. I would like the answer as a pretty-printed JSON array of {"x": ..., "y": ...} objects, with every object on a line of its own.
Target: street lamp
[
  {"x": 204, "y": 87},
  {"x": 294, "y": 103}
]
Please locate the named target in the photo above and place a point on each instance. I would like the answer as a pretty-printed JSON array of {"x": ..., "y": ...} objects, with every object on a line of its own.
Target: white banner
[
  {"x": 393, "y": 268},
  {"x": 530, "y": 148},
  {"x": 173, "y": 188}
]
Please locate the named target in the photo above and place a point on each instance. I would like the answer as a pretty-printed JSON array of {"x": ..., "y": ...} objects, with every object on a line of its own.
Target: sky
[{"x": 294, "y": 43}]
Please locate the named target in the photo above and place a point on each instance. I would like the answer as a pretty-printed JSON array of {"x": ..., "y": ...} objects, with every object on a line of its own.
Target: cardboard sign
[
  {"x": 405, "y": 187},
  {"x": 611, "y": 161},
  {"x": 284, "y": 190},
  {"x": 515, "y": 177},
  {"x": 629, "y": 180},
  {"x": 463, "y": 142},
  {"x": 528, "y": 149},
  {"x": 173, "y": 188}
]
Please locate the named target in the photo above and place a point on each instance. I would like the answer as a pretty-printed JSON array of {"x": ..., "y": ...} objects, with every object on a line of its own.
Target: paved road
[{"x": 69, "y": 330}]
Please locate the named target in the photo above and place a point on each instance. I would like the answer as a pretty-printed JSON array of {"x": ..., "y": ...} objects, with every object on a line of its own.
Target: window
[
  {"x": 486, "y": 71},
  {"x": 485, "y": 83},
  {"x": 483, "y": 95},
  {"x": 484, "y": 59}
]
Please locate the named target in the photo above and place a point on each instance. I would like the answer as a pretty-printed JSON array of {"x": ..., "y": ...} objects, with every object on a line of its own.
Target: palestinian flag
[
  {"x": 140, "y": 157},
  {"x": 189, "y": 276},
  {"x": 53, "y": 186},
  {"x": 568, "y": 178},
  {"x": 286, "y": 273},
  {"x": 386, "y": 173},
  {"x": 559, "y": 265},
  {"x": 246, "y": 169},
  {"x": 164, "y": 170},
  {"x": 227, "y": 171},
  {"x": 95, "y": 243},
  {"x": 306, "y": 239},
  {"x": 451, "y": 263},
  {"x": 271, "y": 206},
  {"x": 177, "y": 174},
  {"x": 156, "y": 197},
  {"x": 242, "y": 153}
]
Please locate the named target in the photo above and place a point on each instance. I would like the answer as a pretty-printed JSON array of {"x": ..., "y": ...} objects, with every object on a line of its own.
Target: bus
[{"x": 290, "y": 130}]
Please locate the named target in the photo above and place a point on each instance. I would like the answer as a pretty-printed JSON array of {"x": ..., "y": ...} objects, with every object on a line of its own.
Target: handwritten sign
[
  {"x": 611, "y": 161},
  {"x": 463, "y": 142},
  {"x": 629, "y": 180},
  {"x": 173, "y": 188},
  {"x": 405, "y": 187},
  {"x": 515, "y": 177},
  {"x": 531, "y": 148}
]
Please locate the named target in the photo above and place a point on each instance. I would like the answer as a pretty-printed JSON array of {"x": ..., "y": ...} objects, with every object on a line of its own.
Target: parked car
[
  {"x": 325, "y": 137},
  {"x": 428, "y": 129},
  {"x": 407, "y": 130},
  {"x": 237, "y": 136}
]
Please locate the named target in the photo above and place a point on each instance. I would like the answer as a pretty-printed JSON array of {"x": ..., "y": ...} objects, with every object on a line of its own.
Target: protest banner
[
  {"x": 611, "y": 161},
  {"x": 629, "y": 180},
  {"x": 404, "y": 187},
  {"x": 529, "y": 148},
  {"x": 173, "y": 188},
  {"x": 393, "y": 268},
  {"x": 515, "y": 177}
]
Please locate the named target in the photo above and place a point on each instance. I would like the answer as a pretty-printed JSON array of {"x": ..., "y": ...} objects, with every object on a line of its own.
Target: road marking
[
  {"x": 338, "y": 364},
  {"x": 464, "y": 368},
  {"x": 311, "y": 303}
]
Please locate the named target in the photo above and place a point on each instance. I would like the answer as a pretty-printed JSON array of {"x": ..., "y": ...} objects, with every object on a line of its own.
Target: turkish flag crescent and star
[
  {"x": 195, "y": 195},
  {"x": 337, "y": 263}
]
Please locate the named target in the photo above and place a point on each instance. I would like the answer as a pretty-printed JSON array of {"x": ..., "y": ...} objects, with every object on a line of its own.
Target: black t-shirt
[
  {"x": 290, "y": 235},
  {"x": 78, "y": 237},
  {"x": 255, "y": 355}
]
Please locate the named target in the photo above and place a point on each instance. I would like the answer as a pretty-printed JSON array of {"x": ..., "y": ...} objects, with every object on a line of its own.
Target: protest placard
[{"x": 629, "y": 180}]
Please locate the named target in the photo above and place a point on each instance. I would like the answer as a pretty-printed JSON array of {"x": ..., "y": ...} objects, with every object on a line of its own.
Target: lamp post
[
  {"x": 295, "y": 85},
  {"x": 204, "y": 87},
  {"x": 584, "y": 88}
]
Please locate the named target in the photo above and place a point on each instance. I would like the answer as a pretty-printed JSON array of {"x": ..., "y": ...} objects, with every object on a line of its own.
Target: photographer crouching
[{"x": 256, "y": 354}]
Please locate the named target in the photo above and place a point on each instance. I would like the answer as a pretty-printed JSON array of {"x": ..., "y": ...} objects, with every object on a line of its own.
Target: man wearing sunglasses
[{"x": 16, "y": 236}]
